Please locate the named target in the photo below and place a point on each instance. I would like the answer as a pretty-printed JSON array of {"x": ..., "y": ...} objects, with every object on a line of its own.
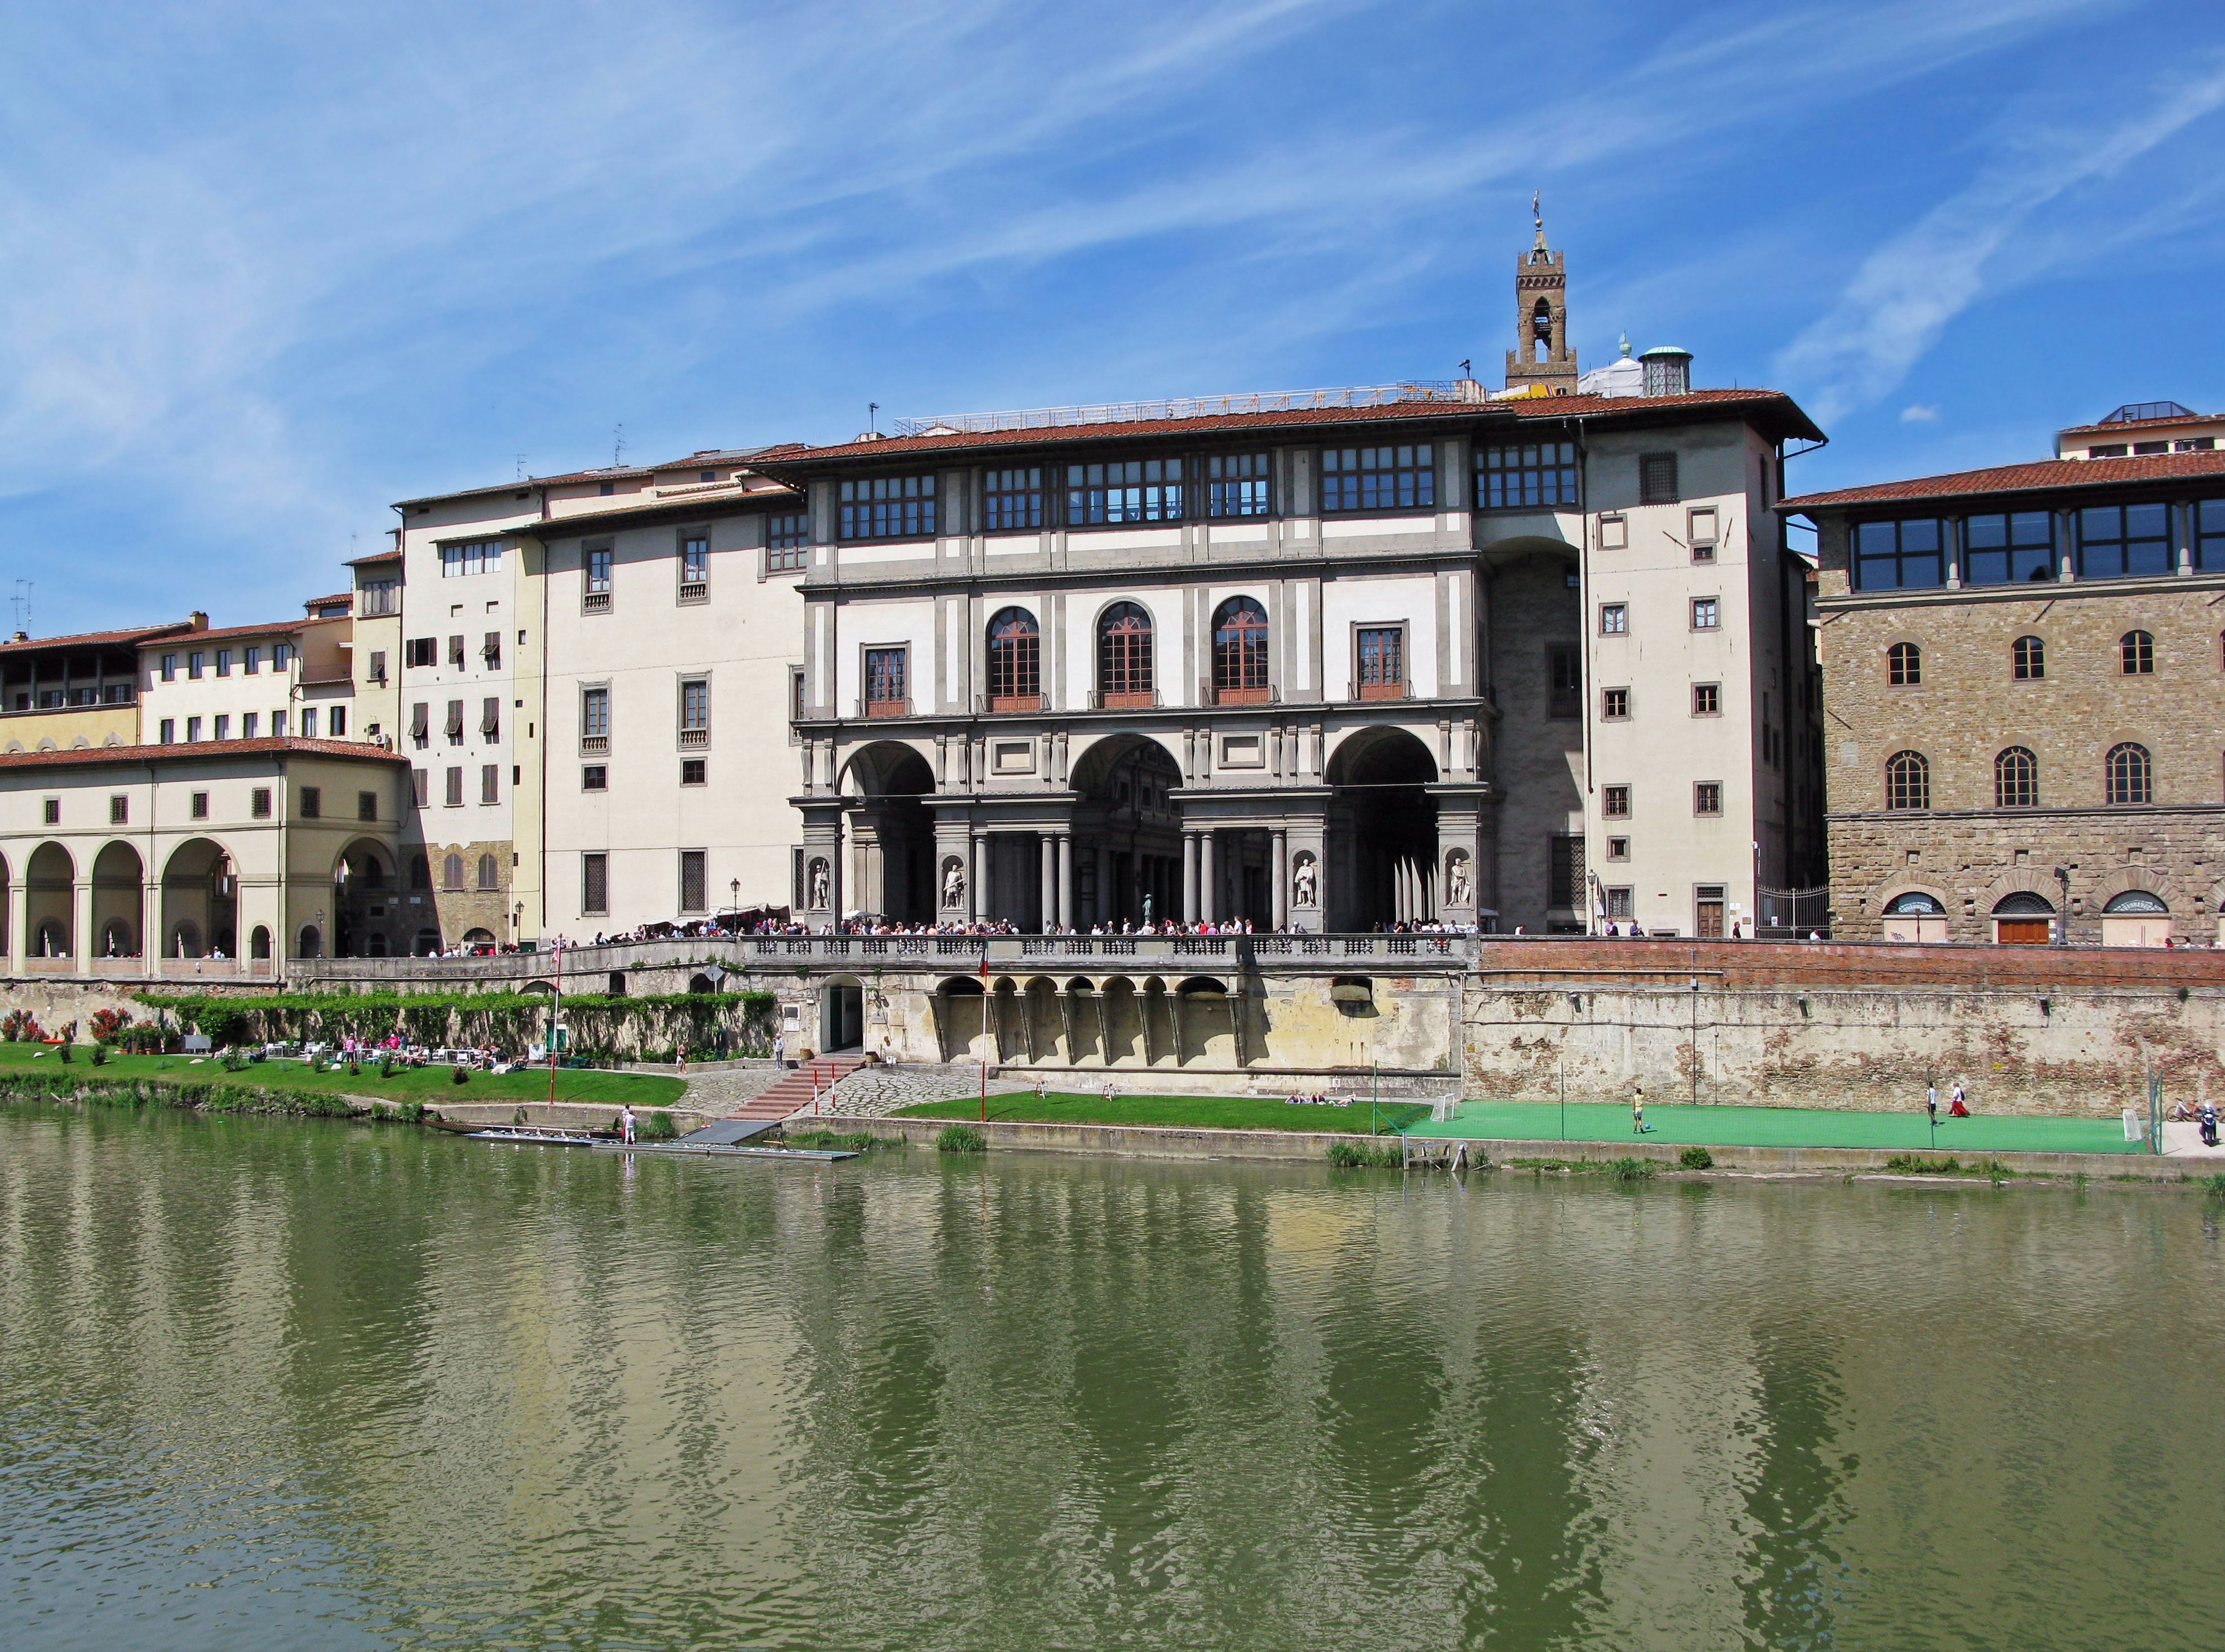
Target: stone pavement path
[
  {"x": 877, "y": 1090},
  {"x": 717, "y": 1094}
]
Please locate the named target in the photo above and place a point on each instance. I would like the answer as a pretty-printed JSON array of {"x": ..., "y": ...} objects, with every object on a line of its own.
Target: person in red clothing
[{"x": 1956, "y": 1108}]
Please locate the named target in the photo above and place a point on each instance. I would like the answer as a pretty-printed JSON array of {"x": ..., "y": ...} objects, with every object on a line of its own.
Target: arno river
[{"x": 307, "y": 1385}]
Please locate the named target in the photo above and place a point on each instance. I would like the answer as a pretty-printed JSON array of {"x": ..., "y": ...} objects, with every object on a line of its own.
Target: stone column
[
  {"x": 977, "y": 901},
  {"x": 1066, "y": 880},
  {"x": 19, "y": 918},
  {"x": 1281, "y": 874},
  {"x": 1190, "y": 878},
  {"x": 1208, "y": 891},
  {"x": 150, "y": 926},
  {"x": 81, "y": 945},
  {"x": 1103, "y": 913},
  {"x": 1046, "y": 883}
]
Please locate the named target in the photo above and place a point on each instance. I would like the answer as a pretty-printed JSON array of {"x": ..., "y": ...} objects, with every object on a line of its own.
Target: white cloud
[
  {"x": 1908, "y": 290},
  {"x": 1920, "y": 413}
]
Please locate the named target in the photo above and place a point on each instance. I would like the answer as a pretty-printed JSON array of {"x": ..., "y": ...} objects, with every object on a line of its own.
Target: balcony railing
[
  {"x": 1124, "y": 699},
  {"x": 694, "y": 739},
  {"x": 884, "y": 708},
  {"x": 595, "y": 746},
  {"x": 595, "y": 602},
  {"x": 997, "y": 703},
  {"x": 695, "y": 590}
]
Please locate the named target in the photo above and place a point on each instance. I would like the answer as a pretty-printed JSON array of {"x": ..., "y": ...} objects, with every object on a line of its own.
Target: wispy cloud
[
  {"x": 1908, "y": 290},
  {"x": 1920, "y": 413}
]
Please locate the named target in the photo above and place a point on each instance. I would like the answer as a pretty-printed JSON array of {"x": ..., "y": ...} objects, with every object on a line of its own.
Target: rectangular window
[
  {"x": 337, "y": 726},
  {"x": 596, "y": 596},
  {"x": 375, "y": 598},
  {"x": 1618, "y": 904},
  {"x": 193, "y": 730},
  {"x": 1657, "y": 479},
  {"x": 169, "y": 732},
  {"x": 490, "y": 872},
  {"x": 2008, "y": 548},
  {"x": 421, "y": 724},
  {"x": 595, "y": 720},
  {"x": 250, "y": 659},
  {"x": 377, "y": 673},
  {"x": 312, "y": 803},
  {"x": 220, "y": 726},
  {"x": 1704, "y": 613},
  {"x": 282, "y": 655},
  {"x": 1615, "y": 619},
  {"x": 258, "y": 803},
  {"x": 54, "y": 811},
  {"x": 888, "y": 507},
  {"x": 224, "y": 662},
  {"x": 1382, "y": 661},
  {"x": 1707, "y": 797},
  {"x": 595, "y": 777},
  {"x": 1707, "y": 700},
  {"x": 1618, "y": 849},
  {"x": 887, "y": 689},
  {"x": 420, "y": 651},
  {"x": 490, "y": 782},
  {"x": 455, "y": 724},
  {"x": 1900, "y": 555},
  {"x": 196, "y": 662},
  {"x": 1137, "y": 490},
  {"x": 366, "y": 806},
  {"x": 1700, "y": 532},
  {"x": 170, "y": 667},
  {"x": 694, "y": 568},
  {"x": 490, "y": 717},
  {"x": 1379, "y": 478},
  {"x": 490, "y": 650},
  {"x": 484, "y": 556},
  {"x": 691, "y": 880},
  {"x": 119, "y": 811},
  {"x": 787, "y": 536},
  {"x": 691, "y": 771},
  {"x": 419, "y": 793},
  {"x": 1533, "y": 474},
  {"x": 1614, "y": 802},
  {"x": 594, "y": 884},
  {"x": 453, "y": 796},
  {"x": 2209, "y": 534},
  {"x": 456, "y": 652},
  {"x": 197, "y": 806},
  {"x": 1236, "y": 485},
  {"x": 1565, "y": 871},
  {"x": 1015, "y": 498},
  {"x": 277, "y": 725},
  {"x": 2115, "y": 542},
  {"x": 696, "y": 712},
  {"x": 1564, "y": 682},
  {"x": 1614, "y": 705}
]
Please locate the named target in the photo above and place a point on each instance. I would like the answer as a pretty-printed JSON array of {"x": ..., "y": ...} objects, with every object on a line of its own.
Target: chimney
[{"x": 197, "y": 620}]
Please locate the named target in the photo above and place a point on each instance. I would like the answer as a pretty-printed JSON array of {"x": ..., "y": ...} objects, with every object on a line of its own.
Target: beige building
[
  {"x": 203, "y": 859},
  {"x": 2022, "y": 670},
  {"x": 287, "y": 679},
  {"x": 62, "y": 693},
  {"x": 1538, "y": 659},
  {"x": 673, "y": 630}
]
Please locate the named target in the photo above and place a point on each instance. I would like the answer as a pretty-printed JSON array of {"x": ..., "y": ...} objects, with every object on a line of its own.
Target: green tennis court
[{"x": 1533, "y": 1121}]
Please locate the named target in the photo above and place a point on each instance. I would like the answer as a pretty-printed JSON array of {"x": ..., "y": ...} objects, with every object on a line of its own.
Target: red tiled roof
[
  {"x": 1554, "y": 407},
  {"x": 96, "y": 639},
  {"x": 606, "y": 473},
  {"x": 199, "y": 750},
  {"x": 276, "y": 627},
  {"x": 374, "y": 558},
  {"x": 2115, "y": 424},
  {"x": 2036, "y": 478}
]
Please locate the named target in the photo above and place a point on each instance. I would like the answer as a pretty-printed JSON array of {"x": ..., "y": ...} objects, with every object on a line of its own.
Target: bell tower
[{"x": 1541, "y": 355}]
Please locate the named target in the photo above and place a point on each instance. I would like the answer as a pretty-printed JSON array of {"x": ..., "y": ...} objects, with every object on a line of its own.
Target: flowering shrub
[
  {"x": 19, "y": 1025},
  {"x": 107, "y": 1023}
]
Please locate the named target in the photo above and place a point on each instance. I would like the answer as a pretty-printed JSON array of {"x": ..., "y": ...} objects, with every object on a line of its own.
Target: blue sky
[{"x": 266, "y": 269}]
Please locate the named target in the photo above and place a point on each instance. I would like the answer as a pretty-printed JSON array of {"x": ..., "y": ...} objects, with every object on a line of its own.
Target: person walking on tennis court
[{"x": 1638, "y": 1124}]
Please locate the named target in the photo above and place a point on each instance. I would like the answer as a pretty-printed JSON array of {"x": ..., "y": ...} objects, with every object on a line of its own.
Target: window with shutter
[
  {"x": 455, "y": 722},
  {"x": 490, "y": 716}
]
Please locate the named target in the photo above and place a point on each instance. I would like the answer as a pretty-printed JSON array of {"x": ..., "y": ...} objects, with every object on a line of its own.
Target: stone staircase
[{"x": 783, "y": 1097}]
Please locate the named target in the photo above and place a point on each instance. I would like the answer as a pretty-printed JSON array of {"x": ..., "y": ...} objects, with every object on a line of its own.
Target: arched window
[
  {"x": 1240, "y": 653},
  {"x": 1914, "y": 904},
  {"x": 489, "y": 876},
  {"x": 452, "y": 872},
  {"x": 1015, "y": 661},
  {"x": 1904, "y": 664},
  {"x": 2028, "y": 659},
  {"x": 1907, "y": 781},
  {"x": 2130, "y": 775},
  {"x": 258, "y": 942},
  {"x": 308, "y": 943},
  {"x": 1123, "y": 656},
  {"x": 2016, "y": 779},
  {"x": 2136, "y": 653},
  {"x": 421, "y": 872}
]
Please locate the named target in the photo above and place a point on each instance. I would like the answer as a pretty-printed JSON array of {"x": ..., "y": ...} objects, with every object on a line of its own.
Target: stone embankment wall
[{"x": 2038, "y": 1030}]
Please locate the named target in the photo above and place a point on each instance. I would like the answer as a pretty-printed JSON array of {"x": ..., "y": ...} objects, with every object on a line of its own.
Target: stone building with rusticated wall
[{"x": 2024, "y": 689}]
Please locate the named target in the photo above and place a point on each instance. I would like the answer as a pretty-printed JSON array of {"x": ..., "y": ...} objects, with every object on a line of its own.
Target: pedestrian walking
[
  {"x": 1931, "y": 1100},
  {"x": 779, "y": 1051},
  {"x": 1957, "y": 1102},
  {"x": 1638, "y": 1124},
  {"x": 625, "y": 1124}
]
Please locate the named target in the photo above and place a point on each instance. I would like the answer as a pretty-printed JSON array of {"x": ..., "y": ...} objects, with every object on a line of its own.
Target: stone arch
[
  {"x": 1127, "y": 829},
  {"x": 309, "y": 942},
  {"x": 200, "y": 901},
  {"x": 366, "y": 897},
  {"x": 118, "y": 900},
  {"x": 1899, "y": 892},
  {"x": 1383, "y": 829},
  {"x": 893, "y": 871},
  {"x": 258, "y": 943},
  {"x": 960, "y": 1011},
  {"x": 2020, "y": 880},
  {"x": 49, "y": 889},
  {"x": 2127, "y": 879}
]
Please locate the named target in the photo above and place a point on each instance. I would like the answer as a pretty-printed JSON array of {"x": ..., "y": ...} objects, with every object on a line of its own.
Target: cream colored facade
[
  {"x": 247, "y": 683},
  {"x": 255, "y": 850}
]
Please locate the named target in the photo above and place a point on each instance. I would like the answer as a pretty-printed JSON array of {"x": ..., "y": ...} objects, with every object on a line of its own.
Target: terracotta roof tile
[
  {"x": 276, "y": 627},
  {"x": 2039, "y": 477},
  {"x": 95, "y": 639},
  {"x": 199, "y": 750},
  {"x": 1555, "y": 406}
]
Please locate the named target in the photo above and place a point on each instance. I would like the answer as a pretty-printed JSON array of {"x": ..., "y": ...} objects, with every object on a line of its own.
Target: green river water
[{"x": 308, "y": 1385}]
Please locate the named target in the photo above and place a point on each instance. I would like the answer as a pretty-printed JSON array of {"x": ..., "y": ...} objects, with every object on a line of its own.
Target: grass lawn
[
  {"x": 1781, "y": 1126},
  {"x": 431, "y": 1084},
  {"x": 1187, "y": 1112}
]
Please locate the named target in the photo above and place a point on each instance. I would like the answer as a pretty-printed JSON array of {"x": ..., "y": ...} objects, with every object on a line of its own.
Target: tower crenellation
[{"x": 1541, "y": 357}]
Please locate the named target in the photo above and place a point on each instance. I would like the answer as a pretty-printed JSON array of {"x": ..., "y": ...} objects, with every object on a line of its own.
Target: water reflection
[{"x": 307, "y": 1385}]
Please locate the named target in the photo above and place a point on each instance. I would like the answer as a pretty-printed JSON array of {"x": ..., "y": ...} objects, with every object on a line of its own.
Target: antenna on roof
[
  {"x": 21, "y": 602},
  {"x": 520, "y": 467},
  {"x": 873, "y": 417},
  {"x": 618, "y": 445}
]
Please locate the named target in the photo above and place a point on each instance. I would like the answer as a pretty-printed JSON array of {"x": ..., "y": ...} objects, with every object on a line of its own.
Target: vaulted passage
[
  {"x": 1127, "y": 834},
  {"x": 1382, "y": 830},
  {"x": 892, "y": 834}
]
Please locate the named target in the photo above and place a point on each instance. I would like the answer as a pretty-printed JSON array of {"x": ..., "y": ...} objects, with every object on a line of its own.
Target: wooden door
[{"x": 2021, "y": 932}]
